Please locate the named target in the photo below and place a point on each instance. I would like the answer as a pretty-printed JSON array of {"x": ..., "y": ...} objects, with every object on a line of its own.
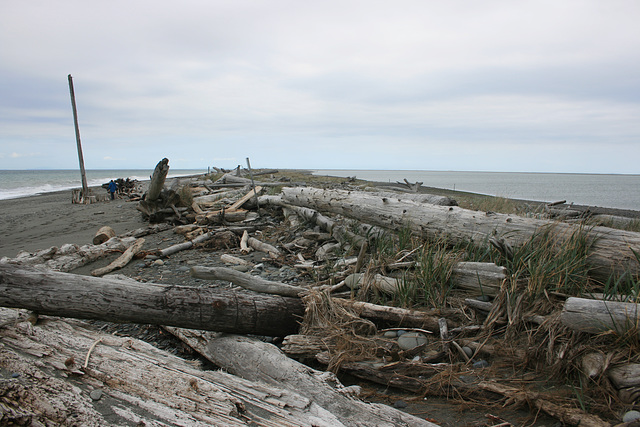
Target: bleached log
[
  {"x": 258, "y": 245},
  {"x": 122, "y": 260},
  {"x": 255, "y": 360},
  {"x": 612, "y": 250},
  {"x": 134, "y": 384},
  {"x": 70, "y": 256},
  {"x": 157, "y": 180},
  {"x": 595, "y": 316},
  {"x": 116, "y": 300},
  {"x": 186, "y": 245},
  {"x": 254, "y": 283},
  {"x": 482, "y": 277},
  {"x": 419, "y": 198}
]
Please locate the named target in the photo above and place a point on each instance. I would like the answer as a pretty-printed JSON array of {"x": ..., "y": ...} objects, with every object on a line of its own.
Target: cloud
[{"x": 322, "y": 84}]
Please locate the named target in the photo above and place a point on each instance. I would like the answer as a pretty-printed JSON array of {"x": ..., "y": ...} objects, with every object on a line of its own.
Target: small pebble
[
  {"x": 481, "y": 364},
  {"x": 399, "y": 404},
  {"x": 401, "y": 332},
  {"x": 158, "y": 262},
  {"x": 95, "y": 394},
  {"x": 410, "y": 340},
  {"x": 631, "y": 416},
  {"x": 15, "y": 375},
  {"x": 390, "y": 334},
  {"x": 141, "y": 265},
  {"x": 183, "y": 269},
  {"x": 191, "y": 262},
  {"x": 467, "y": 351}
]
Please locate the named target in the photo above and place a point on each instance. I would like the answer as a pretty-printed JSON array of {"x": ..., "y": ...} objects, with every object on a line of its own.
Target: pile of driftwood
[{"x": 319, "y": 317}]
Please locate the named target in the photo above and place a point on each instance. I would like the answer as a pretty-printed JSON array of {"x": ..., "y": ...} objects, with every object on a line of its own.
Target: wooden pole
[
  {"x": 253, "y": 185},
  {"x": 85, "y": 187}
]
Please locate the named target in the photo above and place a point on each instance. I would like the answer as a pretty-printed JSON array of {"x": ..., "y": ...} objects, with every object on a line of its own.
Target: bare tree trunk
[
  {"x": 613, "y": 250},
  {"x": 157, "y": 180}
]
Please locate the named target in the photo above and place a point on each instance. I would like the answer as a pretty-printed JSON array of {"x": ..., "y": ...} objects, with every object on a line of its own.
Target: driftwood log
[
  {"x": 595, "y": 316},
  {"x": 125, "y": 381},
  {"x": 254, "y": 283},
  {"x": 157, "y": 180},
  {"x": 612, "y": 250},
  {"x": 255, "y": 360},
  {"x": 117, "y": 300}
]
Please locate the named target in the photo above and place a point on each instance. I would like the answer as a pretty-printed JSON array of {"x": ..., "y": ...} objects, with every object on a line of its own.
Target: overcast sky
[{"x": 541, "y": 86}]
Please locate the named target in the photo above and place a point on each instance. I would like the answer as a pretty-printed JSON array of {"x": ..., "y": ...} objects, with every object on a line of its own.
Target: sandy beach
[{"x": 39, "y": 222}]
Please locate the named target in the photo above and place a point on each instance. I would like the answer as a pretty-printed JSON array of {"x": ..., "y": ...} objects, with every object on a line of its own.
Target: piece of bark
[
  {"x": 254, "y": 283},
  {"x": 122, "y": 260},
  {"x": 613, "y": 251},
  {"x": 115, "y": 300},
  {"x": 103, "y": 234}
]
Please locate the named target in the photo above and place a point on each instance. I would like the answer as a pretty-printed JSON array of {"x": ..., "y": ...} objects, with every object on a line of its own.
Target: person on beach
[{"x": 112, "y": 189}]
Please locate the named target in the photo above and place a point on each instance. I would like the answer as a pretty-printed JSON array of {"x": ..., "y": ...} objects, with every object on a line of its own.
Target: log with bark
[
  {"x": 117, "y": 300},
  {"x": 613, "y": 251}
]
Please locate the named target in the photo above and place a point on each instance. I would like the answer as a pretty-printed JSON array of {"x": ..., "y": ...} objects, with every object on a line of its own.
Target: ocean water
[
  {"x": 24, "y": 183},
  {"x": 610, "y": 191}
]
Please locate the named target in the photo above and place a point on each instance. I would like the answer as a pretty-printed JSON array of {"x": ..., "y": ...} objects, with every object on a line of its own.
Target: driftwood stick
[
  {"x": 122, "y": 260},
  {"x": 245, "y": 280}
]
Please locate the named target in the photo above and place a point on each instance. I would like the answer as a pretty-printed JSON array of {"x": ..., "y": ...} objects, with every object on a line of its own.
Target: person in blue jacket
[{"x": 112, "y": 189}]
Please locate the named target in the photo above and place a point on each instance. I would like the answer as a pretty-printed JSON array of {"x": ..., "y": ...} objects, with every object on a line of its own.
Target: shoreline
[{"x": 38, "y": 222}]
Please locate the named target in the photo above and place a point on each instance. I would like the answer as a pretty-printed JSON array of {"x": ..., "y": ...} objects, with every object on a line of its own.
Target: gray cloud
[{"x": 421, "y": 85}]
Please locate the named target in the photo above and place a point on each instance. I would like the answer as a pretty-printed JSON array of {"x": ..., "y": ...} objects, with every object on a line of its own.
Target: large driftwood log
[
  {"x": 157, "y": 180},
  {"x": 255, "y": 360},
  {"x": 595, "y": 316},
  {"x": 613, "y": 250},
  {"x": 116, "y": 300},
  {"x": 125, "y": 381}
]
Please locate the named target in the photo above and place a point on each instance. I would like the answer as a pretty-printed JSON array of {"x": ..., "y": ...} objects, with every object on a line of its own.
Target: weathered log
[
  {"x": 69, "y": 295},
  {"x": 612, "y": 250},
  {"x": 420, "y": 198},
  {"x": 125, "y": 381},
  {"x": 157, "y": 180},
  {"x": 258, "y": 245},
  {"x": 186, "y": 245},
  {"x": 255, "y": 360},
  {"x": 69, "y": 256},
  {"x": 392, "y": 315},
  {"x": 254, "y": 283},
  {"x": 122, "y": 260},
  {"x": 483, "y": 277},
  {"x": 339, "y": 232},
  {"x": 595, "y": 316},
  {"x": 103, "y": 234}
]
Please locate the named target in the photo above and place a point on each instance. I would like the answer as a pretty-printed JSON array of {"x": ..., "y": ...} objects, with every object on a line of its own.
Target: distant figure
[{"x": 112, "y": 189}]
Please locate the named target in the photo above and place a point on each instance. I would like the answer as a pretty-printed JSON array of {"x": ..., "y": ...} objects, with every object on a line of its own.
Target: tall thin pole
[
  {"x": 85, "y": 187},
  {"x": 253, "y": 185}
]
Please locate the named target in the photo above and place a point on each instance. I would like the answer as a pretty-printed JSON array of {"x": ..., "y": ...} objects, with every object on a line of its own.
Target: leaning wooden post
[
  {"x": 85, "y": 187},
  {"x": 253, "y": 185}
]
